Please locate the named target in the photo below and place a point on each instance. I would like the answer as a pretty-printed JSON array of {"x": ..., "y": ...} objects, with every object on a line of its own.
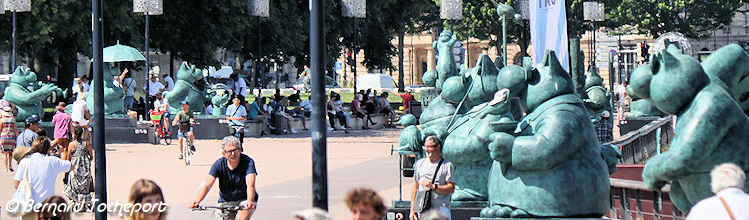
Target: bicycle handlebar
[{"x": 226, "y": 208}]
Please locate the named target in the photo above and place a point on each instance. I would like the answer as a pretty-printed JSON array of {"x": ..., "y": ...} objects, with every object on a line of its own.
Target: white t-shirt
[
  {"x": 78, "y": 113},
  {"x": 712, "y": 208},
  {"x": 160, "y": 105},
  {"x": 43, "y": 171},
  {"x": 154, "y": 87}
]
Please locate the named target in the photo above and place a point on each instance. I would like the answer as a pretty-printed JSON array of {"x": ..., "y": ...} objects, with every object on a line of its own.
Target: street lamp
[
  {"x": 319, "y": 131},
  {"x": 505, "y": 12},
  {"x": 15, "y": 6},
  {"x": 593, "y": 12},
  {"x": 355, "y": 9},
  {"x": 451, "y": 9},
  {"x": 259, "y": 8},
  {"x": 148, "y": 7}
]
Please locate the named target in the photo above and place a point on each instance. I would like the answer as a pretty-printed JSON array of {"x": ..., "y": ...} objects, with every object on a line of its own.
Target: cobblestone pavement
[{"x": 284, "y": 164}]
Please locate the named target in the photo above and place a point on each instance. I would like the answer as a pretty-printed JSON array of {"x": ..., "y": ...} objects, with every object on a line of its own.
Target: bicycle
[
  {"x": 235, "y": 130},
  {"x": 222, "y": 212},
  {"x": 159, "y": 129},
  {"x": 188, "y": 148}
]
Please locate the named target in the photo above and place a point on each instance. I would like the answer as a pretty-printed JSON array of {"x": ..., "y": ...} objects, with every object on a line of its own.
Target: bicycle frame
[
  {"x": 235, "y": 131},
  {"x": 186, "y": 147},
  {"x": 221, "y": 213}
]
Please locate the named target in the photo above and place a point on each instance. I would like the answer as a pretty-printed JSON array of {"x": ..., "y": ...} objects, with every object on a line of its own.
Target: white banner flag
[{"x": 549, "y": 30}]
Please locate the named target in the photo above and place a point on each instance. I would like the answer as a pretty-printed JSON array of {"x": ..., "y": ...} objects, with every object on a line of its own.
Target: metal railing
[
  {"x": 631, "y": 199},
  {"x": 639, "y": 145}
]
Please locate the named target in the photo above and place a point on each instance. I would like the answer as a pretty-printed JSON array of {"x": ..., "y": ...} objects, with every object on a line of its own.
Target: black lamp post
[
  {"x": 148, "y": 8},
  {"x": 259, "y": 8},
  {"x": 593, "y": 12},
  {"x": 99, "y": 148},
  {"x": 355, "y": 9},
  {"x": 319, "y": 127},
  {"x": 15, "y": 6}
]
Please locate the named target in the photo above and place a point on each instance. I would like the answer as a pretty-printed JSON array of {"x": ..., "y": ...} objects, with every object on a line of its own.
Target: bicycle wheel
[
  {"x": 186, "y": 153},
  {"x": 156, "y": 136}
]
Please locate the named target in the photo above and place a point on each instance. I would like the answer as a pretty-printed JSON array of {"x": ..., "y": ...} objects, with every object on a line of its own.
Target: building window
[{"x": 746, "y": 19}]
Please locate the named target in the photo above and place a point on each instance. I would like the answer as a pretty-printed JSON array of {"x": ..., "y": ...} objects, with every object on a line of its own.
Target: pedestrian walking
[
  {"x": 8, "y": 133},
  {"x": 433, "y": 180},
  {"x": 42, "y": 171},
  {"x": 604, "y": 129},
  {"x": 63, "y": 123},
  {"x": 29, "y": 133},
  {"x": 728, "y": 182},
  {"x": 80, "y": 182}
]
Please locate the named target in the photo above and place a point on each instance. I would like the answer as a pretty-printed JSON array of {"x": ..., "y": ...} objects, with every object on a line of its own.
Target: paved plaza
[{"x": 284, "y": 164}]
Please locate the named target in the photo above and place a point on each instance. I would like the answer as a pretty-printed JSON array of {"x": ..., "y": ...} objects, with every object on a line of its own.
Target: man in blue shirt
[
  {"x": 236, "y": 115},
  {"x": 29, "y": 134},
  {"x": 236, "y": 180}
]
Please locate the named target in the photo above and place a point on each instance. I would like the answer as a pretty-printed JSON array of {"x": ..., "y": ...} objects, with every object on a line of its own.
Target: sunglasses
[{"x": 235, "y": 150}]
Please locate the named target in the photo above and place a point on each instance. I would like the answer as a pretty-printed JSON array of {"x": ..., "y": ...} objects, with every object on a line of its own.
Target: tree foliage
[{"x": 693, "y": 18}]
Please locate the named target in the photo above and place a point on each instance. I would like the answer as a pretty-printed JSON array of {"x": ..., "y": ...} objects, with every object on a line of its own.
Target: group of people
[
  {"x": 363, "y": 106},
  {"x": 41, "y": 159}
]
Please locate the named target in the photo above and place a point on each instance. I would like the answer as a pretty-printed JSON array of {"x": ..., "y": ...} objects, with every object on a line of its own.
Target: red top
[{"x": 407, "y": 97}]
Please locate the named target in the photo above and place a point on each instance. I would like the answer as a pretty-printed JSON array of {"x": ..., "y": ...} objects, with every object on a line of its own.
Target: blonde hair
[
  {"x": 141, "y": 189},
  {"x": 726, "y": 175}
]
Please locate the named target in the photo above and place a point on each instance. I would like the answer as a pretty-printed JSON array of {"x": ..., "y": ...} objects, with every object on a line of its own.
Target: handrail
[
  {"x": 639, "y": 145},
  {"x": 644, "y": 130}
]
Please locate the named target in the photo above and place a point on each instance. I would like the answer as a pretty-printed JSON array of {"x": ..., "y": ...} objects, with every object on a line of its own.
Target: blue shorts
[{"x": 183, "y": 134}]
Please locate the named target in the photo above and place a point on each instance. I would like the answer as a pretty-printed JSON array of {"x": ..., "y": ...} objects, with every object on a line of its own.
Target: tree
[
  {"x": 51, "y": 34},
  {"x": 414, "y": 16},
  {"x": 693, "y": 18}
]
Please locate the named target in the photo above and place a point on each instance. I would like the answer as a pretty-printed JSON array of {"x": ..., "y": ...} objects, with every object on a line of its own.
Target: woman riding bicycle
[
  {"x": 184, "y": 121},
  {"x": 236, "y": 178}
]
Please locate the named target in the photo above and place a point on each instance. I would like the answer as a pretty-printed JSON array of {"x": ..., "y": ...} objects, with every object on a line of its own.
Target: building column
[{"x": 430, "y": 59}]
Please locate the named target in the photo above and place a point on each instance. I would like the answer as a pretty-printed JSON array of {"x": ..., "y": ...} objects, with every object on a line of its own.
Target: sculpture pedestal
[{"x": 117, "y": 131}]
